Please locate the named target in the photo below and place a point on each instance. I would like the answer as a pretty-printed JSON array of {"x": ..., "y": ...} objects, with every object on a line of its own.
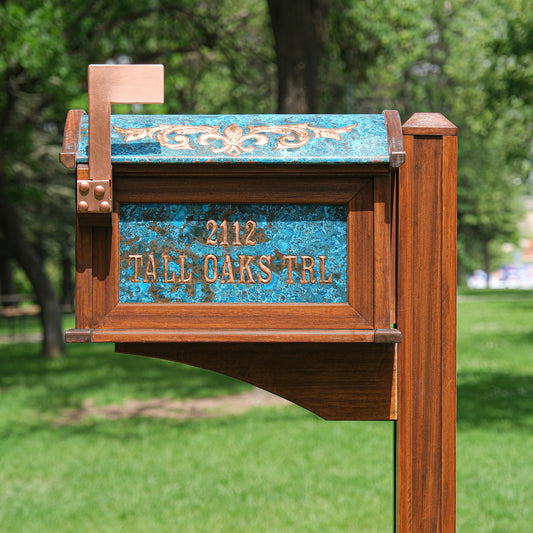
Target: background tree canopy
[{"x": 472, "y": 61}]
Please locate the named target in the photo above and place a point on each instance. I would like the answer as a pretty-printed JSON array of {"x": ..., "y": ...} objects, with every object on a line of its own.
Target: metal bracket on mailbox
[
  {"x": 93, "y": 199},
  {"x": 94, "y": 196},
  {"x": 112, "y": 84}
]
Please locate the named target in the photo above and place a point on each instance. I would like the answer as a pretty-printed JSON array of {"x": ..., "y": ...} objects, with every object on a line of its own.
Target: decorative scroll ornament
[{"x": 234, "y": 141}]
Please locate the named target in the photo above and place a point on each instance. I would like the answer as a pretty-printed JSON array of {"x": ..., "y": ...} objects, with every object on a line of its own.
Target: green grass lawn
[
  {"x": 269, "y": 470},
  {"x": 495, "y": 412}
]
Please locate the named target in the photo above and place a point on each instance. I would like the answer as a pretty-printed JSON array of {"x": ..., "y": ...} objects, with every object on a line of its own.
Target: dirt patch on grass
[{"x": 175, "y": 409}]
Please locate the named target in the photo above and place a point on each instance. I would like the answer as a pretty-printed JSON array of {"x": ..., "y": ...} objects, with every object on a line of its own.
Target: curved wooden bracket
[{"x": 337, "y": 381}]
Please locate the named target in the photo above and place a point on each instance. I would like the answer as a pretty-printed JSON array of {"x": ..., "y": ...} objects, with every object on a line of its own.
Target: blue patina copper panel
[
  {"x": 294, "y": 139},
  {"x": 233, "y": 253}
]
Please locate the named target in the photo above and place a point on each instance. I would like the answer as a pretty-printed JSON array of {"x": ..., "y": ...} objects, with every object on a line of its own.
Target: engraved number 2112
[{"x": 216, "y": 231}]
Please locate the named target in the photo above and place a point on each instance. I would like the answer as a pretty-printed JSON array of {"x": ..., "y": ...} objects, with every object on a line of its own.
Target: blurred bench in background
[{"x": 15, "y": 312}]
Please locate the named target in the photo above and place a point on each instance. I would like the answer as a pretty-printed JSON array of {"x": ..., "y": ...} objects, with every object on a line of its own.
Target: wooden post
[{"x": 426, "y": 427}]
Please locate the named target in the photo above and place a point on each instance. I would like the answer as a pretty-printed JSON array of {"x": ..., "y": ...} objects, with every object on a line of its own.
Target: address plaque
[{"x": 231, "y": 253}]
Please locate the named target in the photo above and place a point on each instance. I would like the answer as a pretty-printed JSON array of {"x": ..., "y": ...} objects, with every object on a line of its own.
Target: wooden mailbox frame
[
  {"x": 365, "y": 317},
  {"x": 343, "y": 362}
]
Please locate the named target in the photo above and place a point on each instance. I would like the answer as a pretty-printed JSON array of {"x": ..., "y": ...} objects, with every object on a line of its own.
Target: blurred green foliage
[{"x": 472, "y": 61}]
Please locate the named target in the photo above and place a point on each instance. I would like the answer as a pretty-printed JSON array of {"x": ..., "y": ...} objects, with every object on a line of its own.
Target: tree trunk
[
  {"x": 299, "y": 28},
  {"x": 21, "y": 250},
  {"x": 67, "y": 286},
  {"x": 7, "y": 283}
]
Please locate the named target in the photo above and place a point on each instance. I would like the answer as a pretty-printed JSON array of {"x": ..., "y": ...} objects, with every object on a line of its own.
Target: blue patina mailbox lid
[{"x": 294, "y": 139}]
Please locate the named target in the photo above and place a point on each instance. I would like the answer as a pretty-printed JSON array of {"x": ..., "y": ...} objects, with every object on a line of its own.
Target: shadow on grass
[
  {"x": 134, "y": 428},
  {"x": 494, "y": 399},
  {"x": 96, "y": 372},
  {"x": 501, "y": 294},
  {"x": 485, "y": 398},
  {"x": 522, "y": 304}
]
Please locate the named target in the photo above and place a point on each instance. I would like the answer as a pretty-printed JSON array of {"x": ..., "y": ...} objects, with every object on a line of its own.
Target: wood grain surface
[
  {"x": 426, "y": 317},
  {"x": 335, "y": 381}
]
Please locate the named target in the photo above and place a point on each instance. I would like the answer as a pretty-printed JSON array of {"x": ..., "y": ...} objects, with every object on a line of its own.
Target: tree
[
  {"x": 299, "y": 29},
  {"x": 470, "y": 60},
  {"x": 28, "y": 34},
  {"x": 45, "y": 52},
  {"x": 473, "y": 62}
]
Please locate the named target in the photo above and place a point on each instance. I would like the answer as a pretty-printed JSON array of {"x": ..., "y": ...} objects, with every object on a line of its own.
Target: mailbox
[
  {"x": 310, "y": 255},
  {"x": 269, "y": 228}
]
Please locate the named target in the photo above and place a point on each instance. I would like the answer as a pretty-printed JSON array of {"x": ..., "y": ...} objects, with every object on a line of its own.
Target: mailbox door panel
[{"x": 246, "y": 255}]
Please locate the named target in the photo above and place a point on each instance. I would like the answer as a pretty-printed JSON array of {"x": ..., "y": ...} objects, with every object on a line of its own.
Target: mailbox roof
[{"x": 159, "y": 139}]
